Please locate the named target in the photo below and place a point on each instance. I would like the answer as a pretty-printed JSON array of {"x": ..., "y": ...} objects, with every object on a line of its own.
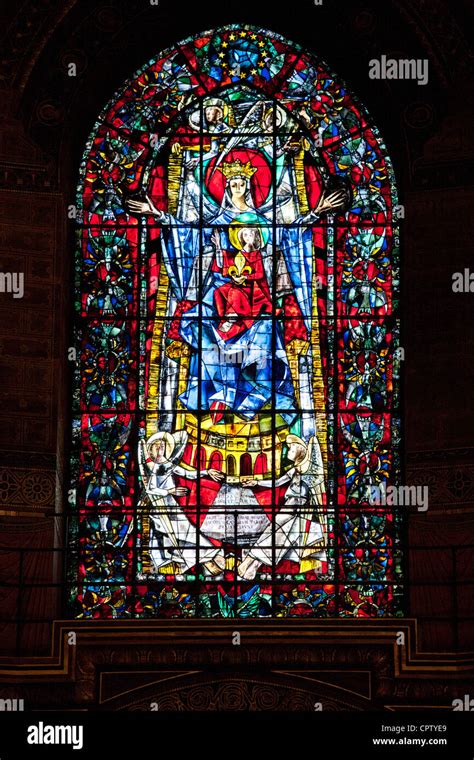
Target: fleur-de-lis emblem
[{"x": 239, "y": 267}]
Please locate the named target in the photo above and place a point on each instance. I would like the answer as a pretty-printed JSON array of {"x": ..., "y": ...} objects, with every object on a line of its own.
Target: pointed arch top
[{"x": 145, "y": 110}]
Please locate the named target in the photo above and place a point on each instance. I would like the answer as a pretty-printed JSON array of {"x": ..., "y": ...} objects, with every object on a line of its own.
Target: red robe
[{"x": 245, "y": 301}]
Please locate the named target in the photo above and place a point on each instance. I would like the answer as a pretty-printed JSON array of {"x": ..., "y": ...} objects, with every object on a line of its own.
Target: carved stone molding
[{"x": 357, "y": 665}]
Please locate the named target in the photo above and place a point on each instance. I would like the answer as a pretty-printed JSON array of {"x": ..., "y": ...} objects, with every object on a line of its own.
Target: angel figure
[
  {"x": 300, "y": 533},
  {"x": 173, "y": 545}
]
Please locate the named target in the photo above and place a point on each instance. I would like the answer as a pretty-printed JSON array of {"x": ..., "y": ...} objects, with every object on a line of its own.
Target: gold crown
[{"x": 237, "y": 169}]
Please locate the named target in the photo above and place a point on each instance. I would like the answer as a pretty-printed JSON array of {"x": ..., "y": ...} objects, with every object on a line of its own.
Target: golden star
[
  {"x": 232, "y": 36},
  {"x": 225, "y": 44},
  {"x": 261, "y": 43},
  {"x": 243, "y": 34},
  {"x": 254, "y": 72},
  {"x": 242, "y": 75},
  {"x": 261, "y": 64},
  {"x": 253, "y": 36},
  {"x": 221, "y": 55}
]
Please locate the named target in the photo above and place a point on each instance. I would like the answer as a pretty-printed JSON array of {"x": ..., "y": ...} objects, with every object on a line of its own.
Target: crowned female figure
[{"x": 225, "y": 271}]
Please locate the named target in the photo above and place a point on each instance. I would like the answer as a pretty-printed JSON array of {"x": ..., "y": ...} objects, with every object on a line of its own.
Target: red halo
[{"x": 260, "y": 183}]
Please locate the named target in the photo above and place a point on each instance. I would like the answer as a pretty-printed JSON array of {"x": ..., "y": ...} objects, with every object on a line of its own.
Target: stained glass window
[{"x": 236, "y": 388}]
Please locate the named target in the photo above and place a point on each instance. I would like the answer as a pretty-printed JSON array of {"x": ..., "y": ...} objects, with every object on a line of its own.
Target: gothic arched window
[{"x": 237, "y": 304}]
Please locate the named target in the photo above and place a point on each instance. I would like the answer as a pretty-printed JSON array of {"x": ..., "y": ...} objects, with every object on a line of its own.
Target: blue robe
[{"x": 240, "y": 371}]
